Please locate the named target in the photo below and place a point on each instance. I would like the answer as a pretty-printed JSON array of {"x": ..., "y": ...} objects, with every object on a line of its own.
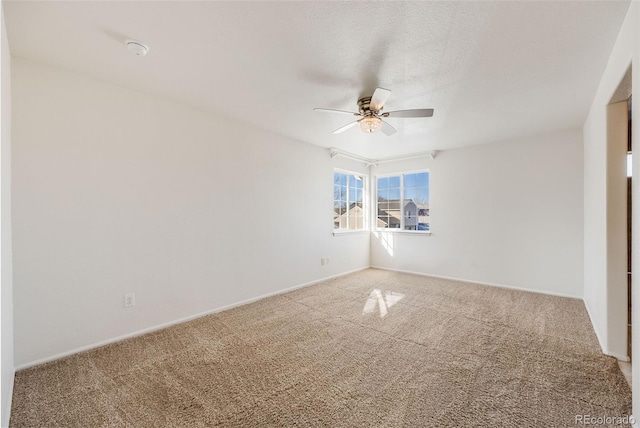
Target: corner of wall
[
  {"x": 8, "y": 367},
  {"x": 603, "y": 345}
]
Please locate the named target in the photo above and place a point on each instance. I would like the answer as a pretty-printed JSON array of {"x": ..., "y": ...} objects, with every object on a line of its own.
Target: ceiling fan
[{"x": 371, "y": 113}]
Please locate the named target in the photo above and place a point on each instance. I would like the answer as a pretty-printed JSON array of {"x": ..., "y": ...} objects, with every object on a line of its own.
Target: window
[
  {"x": 348, "y": 201},
  {"x": 403, "y": 193}
]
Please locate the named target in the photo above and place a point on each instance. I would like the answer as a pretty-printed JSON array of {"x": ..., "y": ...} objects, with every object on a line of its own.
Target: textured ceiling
[{"x": 491, "y": 70}]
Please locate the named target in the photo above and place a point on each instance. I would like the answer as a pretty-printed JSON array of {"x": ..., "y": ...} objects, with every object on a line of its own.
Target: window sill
[
  {"x": 394, "y": 231},
  {"x": 404, "y": 232},
  {"x": 349, "y": 232}
]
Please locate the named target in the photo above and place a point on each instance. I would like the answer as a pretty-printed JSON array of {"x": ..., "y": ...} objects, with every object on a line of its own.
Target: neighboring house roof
[
  {"x": 386, "y": 217},
  {"x": 353, "y": 211},
  {"x": 393, "y": 208},
  {"x": 396, "y": 203}
]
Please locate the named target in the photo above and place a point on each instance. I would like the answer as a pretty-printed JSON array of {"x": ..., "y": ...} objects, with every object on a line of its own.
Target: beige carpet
[{"x": 445, "y": 354}]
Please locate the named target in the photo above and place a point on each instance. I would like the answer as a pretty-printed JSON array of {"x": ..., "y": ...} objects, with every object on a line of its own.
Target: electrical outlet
[
  {"x": 129, "y": 300},
  {"x": 323, "y": 261}
]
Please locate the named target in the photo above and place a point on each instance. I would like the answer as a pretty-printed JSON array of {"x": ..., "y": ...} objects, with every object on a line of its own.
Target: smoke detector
[{"x": 137, "y": 48}]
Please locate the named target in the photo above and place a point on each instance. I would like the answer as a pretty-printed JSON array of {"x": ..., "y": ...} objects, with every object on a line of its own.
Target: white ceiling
[{"x": 491, "y": 70}]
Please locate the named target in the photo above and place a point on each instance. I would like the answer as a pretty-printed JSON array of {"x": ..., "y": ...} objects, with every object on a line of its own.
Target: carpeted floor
[{"x": 371, "y": 349}]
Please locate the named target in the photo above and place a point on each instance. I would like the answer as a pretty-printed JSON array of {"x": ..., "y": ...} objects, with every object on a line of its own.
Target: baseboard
[
  {"x": 618, "y": 357},
  {"x": 177, "y": 321},
  {"x": 603, "y": 348},
  {"x": 595, "y": 330},
  {"x": 530, "y": 290},
  {"x": 6, "y": 409}
]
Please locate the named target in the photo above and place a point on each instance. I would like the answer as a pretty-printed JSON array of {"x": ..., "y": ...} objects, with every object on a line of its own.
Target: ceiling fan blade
[
  {"x": 330, "y": 110},
  {"x": 379, "y": 97},
  {"x": 344, "y": 128},
  {"x": 424, "y": 112},
  {"x": 387, "y": 129}
]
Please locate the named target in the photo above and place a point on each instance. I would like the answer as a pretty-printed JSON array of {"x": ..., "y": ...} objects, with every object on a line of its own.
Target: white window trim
[
  {"x": 403, "y": 232},
  {"x": 338, "y": 232},
  {"x": 375, "y": 201},
  {"x": 365, "y": 204}
]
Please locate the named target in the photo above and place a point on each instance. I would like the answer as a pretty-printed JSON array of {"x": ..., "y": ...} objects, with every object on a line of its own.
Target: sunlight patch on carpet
[{"x": 383, "y": 302}]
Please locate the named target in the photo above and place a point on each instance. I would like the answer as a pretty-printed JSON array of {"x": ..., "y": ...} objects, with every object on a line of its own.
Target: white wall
[
  {"x": 507, "y": 213},
  {"x": 119, "y": 192},
  {"x": 605, "y": 300},
  {"x": 8, "y": 369}
]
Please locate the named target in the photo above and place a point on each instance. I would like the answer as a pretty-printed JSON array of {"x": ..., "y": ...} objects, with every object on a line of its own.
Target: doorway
[
  {"x": 629, "y": 218},
  {"x": 618, "y": 224}
]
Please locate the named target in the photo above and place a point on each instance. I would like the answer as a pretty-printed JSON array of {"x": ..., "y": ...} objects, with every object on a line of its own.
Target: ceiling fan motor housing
[{"x": 364, "y": 105}]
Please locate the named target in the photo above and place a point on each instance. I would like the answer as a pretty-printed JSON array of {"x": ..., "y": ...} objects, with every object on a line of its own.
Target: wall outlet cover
[{"x": 129, "y": 300}]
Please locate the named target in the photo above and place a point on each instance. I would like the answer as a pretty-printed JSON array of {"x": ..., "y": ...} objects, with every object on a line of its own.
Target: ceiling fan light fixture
[{"x": 370, "y": 124}]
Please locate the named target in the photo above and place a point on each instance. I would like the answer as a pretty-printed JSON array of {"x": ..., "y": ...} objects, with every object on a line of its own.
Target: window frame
[
  {"x": 402, "y": 206},
  {"x": 365, "y": 202}
]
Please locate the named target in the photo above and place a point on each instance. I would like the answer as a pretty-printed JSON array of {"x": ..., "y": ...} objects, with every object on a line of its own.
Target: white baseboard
[
  {"x": 177, "y": 321},
  {"x": 595, "y": 330},
  {"x": 6, "y": 409},
  {"x": 618, "y": 357},
  {"x": 530, "y": 290},
  {"x": 603, "y": 347}
]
